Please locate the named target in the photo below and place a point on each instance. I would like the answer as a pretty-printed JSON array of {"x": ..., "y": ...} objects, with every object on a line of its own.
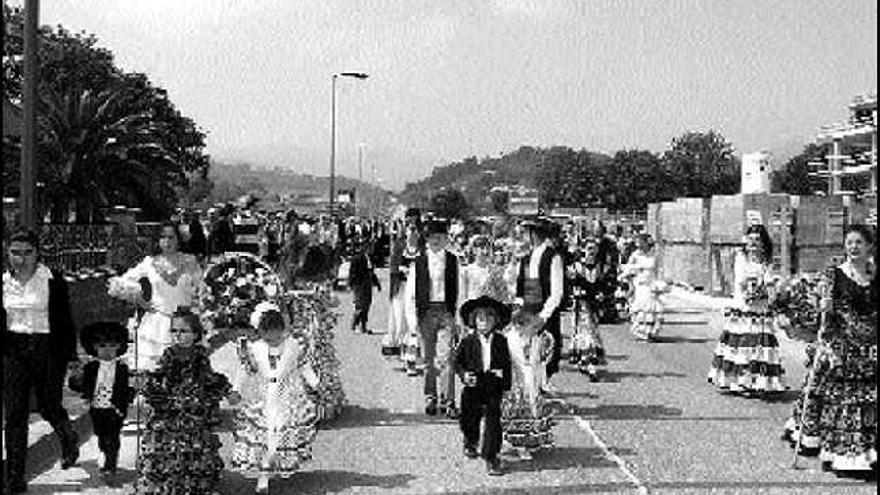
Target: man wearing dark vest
[
  {"x": 430, "y": 300},
  {"x": 540, "y": 285}
]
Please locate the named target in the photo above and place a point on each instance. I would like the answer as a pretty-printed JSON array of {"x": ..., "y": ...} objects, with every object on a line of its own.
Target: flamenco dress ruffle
[
  {"x": 294, "y": 439},
  {"x": 587, "y": 346},
  {"x": 646, "y": 309},
  {"x": 180, "y": 452},
  {"x": 522, "y": 427},
  {"x": 747, "y": 357},
  {"x": 840, "y": 424}
]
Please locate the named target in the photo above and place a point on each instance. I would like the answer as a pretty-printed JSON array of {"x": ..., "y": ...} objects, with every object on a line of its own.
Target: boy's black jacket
[
  {"x": 469, "y": 357},
  {"x": 123, "y": 394}
]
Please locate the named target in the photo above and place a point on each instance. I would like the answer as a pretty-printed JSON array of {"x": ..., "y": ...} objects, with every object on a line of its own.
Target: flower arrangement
[
  {"x": 797, "y": 303},
  {"x": 232, "y": 288},
  {"x": 311, "y": 312}
]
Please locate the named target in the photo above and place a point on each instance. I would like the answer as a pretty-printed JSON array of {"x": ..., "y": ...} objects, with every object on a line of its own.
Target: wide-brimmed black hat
[
  {"x": 468, "y": 308},
  {"x": 413, "y": 212},
  {"x": 104, "y": 331}
]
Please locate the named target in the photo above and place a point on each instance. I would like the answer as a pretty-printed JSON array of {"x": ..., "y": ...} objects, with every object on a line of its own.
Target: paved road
[{"x": 652, "y": 425}]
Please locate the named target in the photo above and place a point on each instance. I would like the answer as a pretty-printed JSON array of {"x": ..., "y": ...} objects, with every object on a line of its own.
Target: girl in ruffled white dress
[
  {"x": 645, "y": 307},
  {"x": 160, "y": 283},
  {"x": 275, "y": 422},
  {"x": 472, "y": 277}
]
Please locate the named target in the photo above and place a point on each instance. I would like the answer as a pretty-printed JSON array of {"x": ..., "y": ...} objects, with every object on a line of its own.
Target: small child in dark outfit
[
  {"x": 104, "y": 383},
  {"x": 482, "y": 361}
]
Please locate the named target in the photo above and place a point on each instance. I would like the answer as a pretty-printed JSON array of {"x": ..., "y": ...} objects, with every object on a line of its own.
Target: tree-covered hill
[{"x": 697, "y": 164}]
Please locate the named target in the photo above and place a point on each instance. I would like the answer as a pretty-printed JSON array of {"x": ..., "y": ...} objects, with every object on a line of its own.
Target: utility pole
[
  {"x": 361, "y": 162},
  {"x": 29, "y": 123}
]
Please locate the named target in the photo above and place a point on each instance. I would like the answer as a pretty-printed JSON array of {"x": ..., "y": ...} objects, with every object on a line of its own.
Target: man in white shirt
[
  {"x": 430, "y": 297},
  {"x": 540, "y": 285}
]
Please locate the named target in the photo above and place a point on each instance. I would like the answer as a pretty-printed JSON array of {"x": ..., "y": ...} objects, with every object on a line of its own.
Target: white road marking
[{"x": 585, "y": 425}]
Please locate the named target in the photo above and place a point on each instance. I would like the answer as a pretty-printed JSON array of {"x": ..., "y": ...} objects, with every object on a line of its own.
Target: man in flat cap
[{"x": 430, "y": 300}]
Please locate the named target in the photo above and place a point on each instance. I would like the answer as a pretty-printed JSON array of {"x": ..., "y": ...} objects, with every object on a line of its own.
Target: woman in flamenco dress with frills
[
  {"x": 173, "y": 279},
  {"x": 840, "y": 424},
  {"x": 747, "y": 358}
]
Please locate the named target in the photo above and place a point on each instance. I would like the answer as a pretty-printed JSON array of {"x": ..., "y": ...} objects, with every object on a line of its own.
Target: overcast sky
[{"x": 453, "y": 78}]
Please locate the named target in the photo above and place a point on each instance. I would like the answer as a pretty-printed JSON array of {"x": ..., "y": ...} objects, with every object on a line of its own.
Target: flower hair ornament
[{"x": 262, "y": 308}]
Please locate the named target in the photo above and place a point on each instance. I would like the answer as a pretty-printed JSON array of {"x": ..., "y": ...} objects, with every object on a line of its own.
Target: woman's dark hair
[
  {"x": 192, "y": 321},
  {"x": 865, "y": 231},
  {"x": 766, "y": 243},
  {"x": 174, "y": 226},
  {"x": 271, "y": 319},
  {"x": 197, "y": 243},
  {"x": 28, "y": 236}
]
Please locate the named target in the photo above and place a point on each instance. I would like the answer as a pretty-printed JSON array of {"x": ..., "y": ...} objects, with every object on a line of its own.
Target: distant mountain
[
  {"x": 233, "y": 179},
  {"x": 393, "y": 168}
]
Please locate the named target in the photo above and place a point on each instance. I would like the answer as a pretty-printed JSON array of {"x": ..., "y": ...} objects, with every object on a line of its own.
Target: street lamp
[{"x": 356, "y": 75}]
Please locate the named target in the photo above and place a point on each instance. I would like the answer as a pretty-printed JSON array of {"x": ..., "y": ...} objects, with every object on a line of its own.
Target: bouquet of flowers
[
  {"x": 232, "y": 288},
  {"x": 797, "y": 303}
]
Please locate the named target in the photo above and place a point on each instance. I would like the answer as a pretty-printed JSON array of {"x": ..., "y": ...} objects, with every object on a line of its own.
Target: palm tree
[{"x": 115, "y": 145}]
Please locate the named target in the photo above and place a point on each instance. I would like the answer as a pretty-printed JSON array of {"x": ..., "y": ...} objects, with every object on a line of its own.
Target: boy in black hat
[
  {"x": 482, "y": 361},
  {"x": 105, "y": 385}
]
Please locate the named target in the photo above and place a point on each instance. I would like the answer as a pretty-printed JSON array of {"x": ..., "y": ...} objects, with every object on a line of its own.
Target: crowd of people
[{"x": 481, "y": 306}]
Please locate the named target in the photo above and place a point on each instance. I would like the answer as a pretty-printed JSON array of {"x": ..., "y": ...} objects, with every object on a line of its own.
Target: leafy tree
[
  {"x": 66, "y": 59},
  {"x": 104, "y": 136},
  {"x": 700, "y": 165},
  {"x": 563, "y": 178},
  {"x": 449, "y": 203},
  {"x": 634, "y": 176},
  {"x": 794, "y": 176}
]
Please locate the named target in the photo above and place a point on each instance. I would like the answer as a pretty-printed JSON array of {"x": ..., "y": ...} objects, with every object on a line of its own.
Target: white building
[
  {"x": 851, "y": 162},
  {"x": 756, "y": 171}
]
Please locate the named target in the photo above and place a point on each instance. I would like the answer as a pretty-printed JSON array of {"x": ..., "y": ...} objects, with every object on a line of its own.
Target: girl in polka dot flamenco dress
[{"x": 275, "y": 424}]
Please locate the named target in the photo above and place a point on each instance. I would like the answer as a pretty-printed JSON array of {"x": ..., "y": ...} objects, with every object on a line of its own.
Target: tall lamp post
[{"x": 356, "y": 75}]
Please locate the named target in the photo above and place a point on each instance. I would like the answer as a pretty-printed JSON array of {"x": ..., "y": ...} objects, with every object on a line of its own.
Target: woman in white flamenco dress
[
  {"x": 159, "y": 284},
  {"x": 646, "y": 307}
]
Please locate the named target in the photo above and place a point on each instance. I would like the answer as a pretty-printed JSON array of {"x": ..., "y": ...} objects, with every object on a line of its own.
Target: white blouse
[{"x": 27, "y": 304}]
